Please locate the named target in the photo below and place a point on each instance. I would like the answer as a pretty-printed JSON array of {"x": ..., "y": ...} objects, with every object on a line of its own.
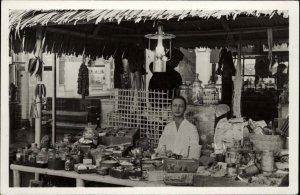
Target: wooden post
[
  {"x": 38, "y": 120},
  {"x": 238, "y": 82},
  {"x": 54, "y": 102},
  {"x": 79, "y": 183},
  {"x": 16, "y": 178}
]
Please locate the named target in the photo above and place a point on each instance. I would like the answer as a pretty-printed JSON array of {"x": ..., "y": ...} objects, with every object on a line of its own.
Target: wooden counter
[{"x": 80, "y": 178}]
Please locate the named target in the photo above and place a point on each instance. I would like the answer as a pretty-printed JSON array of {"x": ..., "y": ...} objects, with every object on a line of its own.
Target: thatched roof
[
  {"x": 107, "y": 32},
  {"x": 20, "y": 19}
]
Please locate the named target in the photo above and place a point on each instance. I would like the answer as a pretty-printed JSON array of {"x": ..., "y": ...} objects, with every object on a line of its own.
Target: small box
[
  {"x": 181, "y": 165},
  {"x": 154, "y": 175}
]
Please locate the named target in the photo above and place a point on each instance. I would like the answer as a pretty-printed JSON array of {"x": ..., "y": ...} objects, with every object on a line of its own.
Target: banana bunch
[
  {"x": 40, "y": 90},
  {"x": 35, "y": 66}
]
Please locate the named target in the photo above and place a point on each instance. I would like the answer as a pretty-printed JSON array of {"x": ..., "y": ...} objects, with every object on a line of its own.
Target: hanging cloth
[{"x": 270, "y": 45}]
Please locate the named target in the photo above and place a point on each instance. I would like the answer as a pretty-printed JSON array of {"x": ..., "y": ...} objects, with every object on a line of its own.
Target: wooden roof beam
[
  {"x": 84, "y": 35},
  {"x": 212, "y": 32}
]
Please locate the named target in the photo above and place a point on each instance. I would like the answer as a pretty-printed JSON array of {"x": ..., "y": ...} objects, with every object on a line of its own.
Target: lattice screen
[{"x": 150, "y": 111}]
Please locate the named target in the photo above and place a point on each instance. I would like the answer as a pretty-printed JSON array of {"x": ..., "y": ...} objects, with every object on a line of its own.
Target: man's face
[{"x": 178, "y": 107}]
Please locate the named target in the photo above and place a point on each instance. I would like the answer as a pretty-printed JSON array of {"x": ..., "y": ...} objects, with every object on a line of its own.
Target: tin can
[{"x": 267, "y": 161}]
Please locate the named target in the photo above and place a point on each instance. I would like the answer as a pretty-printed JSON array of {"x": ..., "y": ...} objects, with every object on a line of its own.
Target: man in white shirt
[{"x": 180, "y": 135}]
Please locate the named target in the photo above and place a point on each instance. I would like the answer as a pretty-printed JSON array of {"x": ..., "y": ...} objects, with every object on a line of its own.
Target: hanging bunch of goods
[
  {"x": 40, "y": 90},
  {"x": 83, "y": 81},
  {"x": 34, "y": 66}
]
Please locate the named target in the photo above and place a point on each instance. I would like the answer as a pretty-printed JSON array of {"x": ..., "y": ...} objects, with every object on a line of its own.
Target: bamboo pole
[
  {"x": 38, "y": 119},
  {"x": 236, "y": 104},
  {"x": 54, "y": 102},
  {"x": 17, "y": 178}
]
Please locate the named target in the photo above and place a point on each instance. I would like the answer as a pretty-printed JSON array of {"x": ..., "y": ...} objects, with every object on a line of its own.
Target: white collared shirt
[{"x": 179, "y": 141}]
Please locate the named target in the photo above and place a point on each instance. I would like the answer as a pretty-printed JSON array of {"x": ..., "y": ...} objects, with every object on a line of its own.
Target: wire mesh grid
[{"x": 149, "y": 111}]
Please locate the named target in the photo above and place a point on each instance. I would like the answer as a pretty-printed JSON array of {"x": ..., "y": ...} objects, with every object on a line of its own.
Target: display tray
[
  {"x": 124, "y": 174},
  {"x": 29, "y": 164}
]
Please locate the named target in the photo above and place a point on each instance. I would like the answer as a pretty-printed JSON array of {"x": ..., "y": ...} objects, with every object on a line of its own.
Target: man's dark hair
[{"x": 181, "y": 98}]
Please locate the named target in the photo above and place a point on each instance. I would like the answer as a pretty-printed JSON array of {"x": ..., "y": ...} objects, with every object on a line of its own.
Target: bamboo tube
[
  {"x": 38, "y": 120},
  {"x": 236, "y": 104}
]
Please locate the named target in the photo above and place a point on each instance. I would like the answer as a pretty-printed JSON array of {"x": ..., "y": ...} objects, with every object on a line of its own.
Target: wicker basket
[{"x": 273, "y": 143}]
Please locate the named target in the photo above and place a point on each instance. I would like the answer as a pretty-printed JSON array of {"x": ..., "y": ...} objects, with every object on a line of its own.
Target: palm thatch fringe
[{"x": 20, "y": 19}]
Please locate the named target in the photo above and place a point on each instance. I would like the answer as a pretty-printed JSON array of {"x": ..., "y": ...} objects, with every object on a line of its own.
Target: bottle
[
  {"x": 25, "y": 154},
  {"x": 197, "y": 91},
  {"x": 19, "y": 155}
]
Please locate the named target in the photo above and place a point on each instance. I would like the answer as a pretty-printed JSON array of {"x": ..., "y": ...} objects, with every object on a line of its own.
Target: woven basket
[{"x": 273, "y": 143}]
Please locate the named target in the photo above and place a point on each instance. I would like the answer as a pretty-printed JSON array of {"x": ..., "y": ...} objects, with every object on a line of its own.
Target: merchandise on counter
[
  {"x": 122, "y": 173},
  {"x": 179, "y": 179},
  {"x": 87, "y": 159},
  {"x": 232, "y": 156},
  {"x": 51, "y": 154},
  {"x": 116, "y": 136},
  {"x": 56, "y": 164},
  {"x": 267, "y": 161},
  {"x": 42, "y": 157},
  {"x": 32, "y": 157},
  {"x": 69, "y": 163},
  {"x": 180, "y": 166},
  {"x": 25, "y": 154},
  {"x": 19, "y": 155},
  {"x": 82, "y": 169},
  {"x": 108, "y": 163},
  {"x": 102, "y": 171}
]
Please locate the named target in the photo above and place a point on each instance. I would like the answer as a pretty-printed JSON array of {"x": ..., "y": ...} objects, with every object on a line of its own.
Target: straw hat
[{"x": 222, "y": 109}]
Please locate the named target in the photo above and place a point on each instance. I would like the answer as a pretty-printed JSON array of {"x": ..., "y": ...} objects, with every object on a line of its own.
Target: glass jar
[
  {"x": 32, "y": 157},
  {"x": 34, "y": 148},
  {"x": 19, "y": 155},
  {"x": 51, "y": 154},
  {"x": 69, "y": 163},
  {"x": 197, "y": 91},
  {"x": 42, "y": 156}
]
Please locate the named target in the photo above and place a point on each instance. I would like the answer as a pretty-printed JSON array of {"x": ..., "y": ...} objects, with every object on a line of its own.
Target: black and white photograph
[{"x": 149, "y": 97}]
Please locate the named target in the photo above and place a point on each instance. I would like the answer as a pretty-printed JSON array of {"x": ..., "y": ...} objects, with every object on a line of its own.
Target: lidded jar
[{"x": 197, "y": 91}]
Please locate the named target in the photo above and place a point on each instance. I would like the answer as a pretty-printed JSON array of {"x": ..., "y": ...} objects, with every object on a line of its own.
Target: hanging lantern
[{"x": 160, "y": 59}]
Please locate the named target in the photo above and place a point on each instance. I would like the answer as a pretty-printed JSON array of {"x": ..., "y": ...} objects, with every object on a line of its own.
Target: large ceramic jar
[{"x": 184, "y": 91}]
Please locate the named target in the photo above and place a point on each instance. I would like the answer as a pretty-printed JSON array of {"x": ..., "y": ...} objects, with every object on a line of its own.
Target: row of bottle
[
  {"x": 195, "y": 94},
  {"x": 44, "y": 155}
]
